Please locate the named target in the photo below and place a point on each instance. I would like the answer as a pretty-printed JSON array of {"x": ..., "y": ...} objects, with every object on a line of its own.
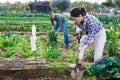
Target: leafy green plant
[
  {"x": 9, "y": 52},
  {"x": 52, "y": 53},
  {"x": 91, "y": 50},
  {"x": 112, "y": 43},
  {"x": 106, "y": 68},
  {"x": 58, "y": 65},
  {"x": 9, "y": 39},
  {"x": 52, "y": 38},
  {"x": 25, "y": 47}
]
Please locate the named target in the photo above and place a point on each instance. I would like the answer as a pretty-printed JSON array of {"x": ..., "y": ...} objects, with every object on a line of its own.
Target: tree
[
  {"x": 8, "y": 4},
  {"x": 89, "y": 6},
  {"x": 61, "y": 5},
  {"x": 116, "y": 3},
  {"x": 3, "y": 7},
  {"x": 108, "y": 3}
]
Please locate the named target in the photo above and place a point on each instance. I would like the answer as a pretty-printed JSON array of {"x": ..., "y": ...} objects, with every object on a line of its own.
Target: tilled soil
[{"x": 37, "y": 74}]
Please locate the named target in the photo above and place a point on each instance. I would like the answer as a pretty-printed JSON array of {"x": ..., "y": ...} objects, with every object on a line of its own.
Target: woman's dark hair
[{"x": 75, "y": 12}]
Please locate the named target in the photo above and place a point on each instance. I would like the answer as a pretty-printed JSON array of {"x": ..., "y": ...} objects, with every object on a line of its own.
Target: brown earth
[{"x": 37, "y": 74}]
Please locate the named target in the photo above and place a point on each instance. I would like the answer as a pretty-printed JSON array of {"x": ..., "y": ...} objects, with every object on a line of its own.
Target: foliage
[
  {"x": 116, "y": 3},
  {"x": 21, "y": 14},
  {"x": 107, "y": 19},
  {"x": 88, "y": 6},
  {"x": 11, "y": 16},
  {"x": 107, "y": 68},
  {"x": 52, "y": 53},
  {"x": 17, "y": 6},
  {"x": 9, "y": 40},
  {"x": 52, "y": 50},
  {"x": 60, "y": 4},
  {"x": 13, "y": 44},
  {"x": 96, "y": 5},
  {"x": 26, "y": 49},
  {"x": 92, "y": 50},
  {"x": 52, "y": 38},
  {"x": 24, "y": 27},
  {"x": 108, "y": 3},
  {"x": 56, "y": 10},
  {"x": 103, "y": 18},
  {"x": 58, "y": 65},
  {"x": 72, "y": 57},
  {"x": 9, "y": 52},
  {"x": 112, "y": 43}
]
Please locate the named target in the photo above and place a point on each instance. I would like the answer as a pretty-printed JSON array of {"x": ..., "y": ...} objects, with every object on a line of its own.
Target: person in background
[
  {"x": 60, "y": 25},
  {"x": 94, "y": 31}
]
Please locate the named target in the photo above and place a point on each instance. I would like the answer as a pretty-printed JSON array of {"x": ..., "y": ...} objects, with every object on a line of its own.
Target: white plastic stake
[
  {"x": 34, "y": 31},
  {"x": 33, "y": 38},
  {"x": 33, "y": 44}
]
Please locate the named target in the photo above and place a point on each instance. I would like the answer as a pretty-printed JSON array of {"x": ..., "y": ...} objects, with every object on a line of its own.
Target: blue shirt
[{"x": 91, "y": 25}]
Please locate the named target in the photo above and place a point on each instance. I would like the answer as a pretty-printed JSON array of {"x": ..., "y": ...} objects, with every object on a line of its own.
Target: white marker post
[
  {"x": 33, "y": 38},
  {"x": 33, "y": 42}
]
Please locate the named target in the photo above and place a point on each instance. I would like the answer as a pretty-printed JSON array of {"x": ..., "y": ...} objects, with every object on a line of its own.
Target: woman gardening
[{"x": 94, "y": 30}]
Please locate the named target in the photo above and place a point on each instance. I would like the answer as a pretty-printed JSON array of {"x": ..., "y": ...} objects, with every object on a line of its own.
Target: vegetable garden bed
[{"x": 15, "y": 44}]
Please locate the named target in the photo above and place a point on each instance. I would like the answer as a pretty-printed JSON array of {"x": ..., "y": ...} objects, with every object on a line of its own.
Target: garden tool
[{"x": 76, "y": 72}]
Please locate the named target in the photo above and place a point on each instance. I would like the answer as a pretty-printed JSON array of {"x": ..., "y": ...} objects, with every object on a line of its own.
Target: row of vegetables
[{"x": 11, "y": 45}]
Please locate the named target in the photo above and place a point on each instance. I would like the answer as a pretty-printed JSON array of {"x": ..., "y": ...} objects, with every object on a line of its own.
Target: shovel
[{"x": 76, "y": 73}]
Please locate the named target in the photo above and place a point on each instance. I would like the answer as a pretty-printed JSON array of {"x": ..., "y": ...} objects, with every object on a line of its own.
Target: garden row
[{"x": 11, "y": 45}]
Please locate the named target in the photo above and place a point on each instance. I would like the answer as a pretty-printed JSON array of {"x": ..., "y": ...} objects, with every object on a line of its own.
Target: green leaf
[{"x": 117, "y": 75}]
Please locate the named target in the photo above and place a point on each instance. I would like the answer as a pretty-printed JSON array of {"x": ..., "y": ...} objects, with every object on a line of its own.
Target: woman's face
[{"x": 78, "y": 19}]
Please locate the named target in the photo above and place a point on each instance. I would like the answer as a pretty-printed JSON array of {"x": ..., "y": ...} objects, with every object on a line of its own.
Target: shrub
[
  {"x": 107, "y": 68},
  {"x": 52, "y": 38}
]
